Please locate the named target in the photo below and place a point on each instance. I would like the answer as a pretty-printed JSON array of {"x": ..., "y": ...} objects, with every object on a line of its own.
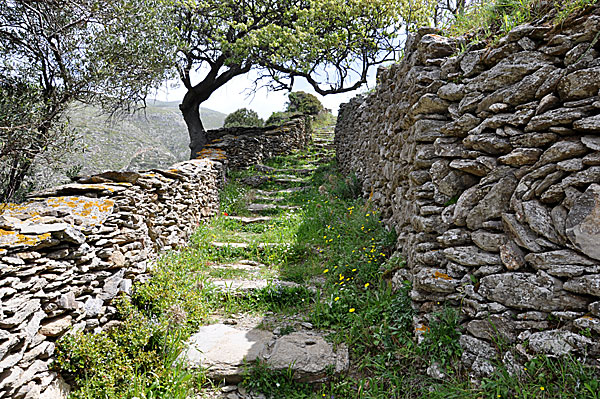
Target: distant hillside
[{"x": 152, "y": 138}]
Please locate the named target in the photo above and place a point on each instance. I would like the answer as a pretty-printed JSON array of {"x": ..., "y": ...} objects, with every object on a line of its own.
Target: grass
[
  {"x": 335, "y": 243},
  {"x": 491, "y": 19}
]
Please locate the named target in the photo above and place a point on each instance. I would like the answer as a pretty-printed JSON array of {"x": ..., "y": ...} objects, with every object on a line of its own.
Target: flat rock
[
  {"x": 237, "y": 285},
  {"x": 583, "y": 222},
  {"x": 248, "y": 220},
  {"x": 557, "y": 342},
  {"x": 224, "y": 351},
  {"x": 529, "y": 291},
  {"x": 307, "y": 355}
]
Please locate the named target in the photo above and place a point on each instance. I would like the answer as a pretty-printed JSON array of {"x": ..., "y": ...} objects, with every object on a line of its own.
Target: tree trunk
[{"x": 190, "y": 108}]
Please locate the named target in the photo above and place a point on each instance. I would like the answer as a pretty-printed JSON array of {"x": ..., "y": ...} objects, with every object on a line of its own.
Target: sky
[{"x": 234, "y": 95}]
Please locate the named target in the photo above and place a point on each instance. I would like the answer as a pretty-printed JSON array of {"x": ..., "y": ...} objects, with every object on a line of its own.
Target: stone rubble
[{"x": 486, "y": 163}]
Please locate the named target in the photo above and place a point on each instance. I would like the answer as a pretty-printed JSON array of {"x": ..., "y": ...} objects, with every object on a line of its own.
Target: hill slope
[{"x": 152, "y": 138}]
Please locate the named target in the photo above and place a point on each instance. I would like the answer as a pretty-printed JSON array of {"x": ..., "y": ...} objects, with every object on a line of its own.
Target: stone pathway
[{"x": 227, "y": 347}]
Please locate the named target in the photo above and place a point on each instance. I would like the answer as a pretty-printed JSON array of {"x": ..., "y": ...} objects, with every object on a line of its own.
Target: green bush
[{"x": 243, "y": 117}]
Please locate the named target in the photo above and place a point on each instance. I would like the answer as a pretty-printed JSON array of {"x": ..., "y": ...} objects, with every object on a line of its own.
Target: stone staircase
[{"x": 226, "y": 347}]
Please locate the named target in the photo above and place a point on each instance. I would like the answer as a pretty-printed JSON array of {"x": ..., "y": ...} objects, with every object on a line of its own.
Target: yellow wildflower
[
  {"x": 366, "y": 285},
  {"x": 337, "y": 298},
  {"x": 325, "y": 271},
  {"x": 351, "y": 310}
]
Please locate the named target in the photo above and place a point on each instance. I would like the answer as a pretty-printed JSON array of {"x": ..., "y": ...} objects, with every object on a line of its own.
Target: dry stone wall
[
  {"x": 487, "y": 164},
  {"x": 67, "y": 253}
]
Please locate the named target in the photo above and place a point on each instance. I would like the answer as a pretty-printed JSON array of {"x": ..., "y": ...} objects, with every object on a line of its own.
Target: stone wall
[
  {"x": 66, "y": 253},
  {"x": 487, "y": 164}
]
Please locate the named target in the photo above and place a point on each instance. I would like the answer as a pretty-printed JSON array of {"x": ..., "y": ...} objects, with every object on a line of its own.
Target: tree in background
[
  {"x": 331, "y": 44},
  {"x": 55, "y": 52},
  {"x": 243, "y": 117},
  {"x": 304, "y": 103}
]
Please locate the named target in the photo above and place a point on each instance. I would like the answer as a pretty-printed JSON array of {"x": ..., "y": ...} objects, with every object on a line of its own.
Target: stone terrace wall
[
  {"x": 250, "y": 146},
  {"x": 487, "y": 164},
  {"x": 67, "y": 253}
]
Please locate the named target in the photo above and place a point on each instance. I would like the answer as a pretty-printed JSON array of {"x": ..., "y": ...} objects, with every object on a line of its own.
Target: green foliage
[
  {"x": 71, "y": 50},
  {"x": 304, "y": 103},
  {"x": 491, "y": 19},
  {"x": 440, "y": 341},
  {"x": 260, "y": 378},
  {"x": 279, "y": 118},
  {"x": 243, "y": 117},
  {"x": 136, "y": 358}
]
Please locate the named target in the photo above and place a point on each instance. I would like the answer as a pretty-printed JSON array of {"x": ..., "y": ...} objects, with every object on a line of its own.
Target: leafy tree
[
  {"x": 55, "y": 52},
  {"x": 243, "y": 117},
  {"x": 304, "y": 103},
  {"x": 331, "y": 44}
]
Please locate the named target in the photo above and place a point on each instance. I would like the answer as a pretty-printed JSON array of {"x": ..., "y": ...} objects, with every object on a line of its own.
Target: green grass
[{"x": 491, "y": 19}]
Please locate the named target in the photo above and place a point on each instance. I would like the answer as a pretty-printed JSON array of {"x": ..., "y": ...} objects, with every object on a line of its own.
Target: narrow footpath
[{"x": 255, "y": 271}]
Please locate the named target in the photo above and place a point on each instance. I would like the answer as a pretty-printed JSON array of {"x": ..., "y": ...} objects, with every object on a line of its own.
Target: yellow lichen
[{"x": 442, "y": 276}]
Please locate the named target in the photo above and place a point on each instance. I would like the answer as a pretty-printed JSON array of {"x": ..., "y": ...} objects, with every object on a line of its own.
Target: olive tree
[
  {"x": 55, "y": 52},
  {"x": 331, "y": 44}
]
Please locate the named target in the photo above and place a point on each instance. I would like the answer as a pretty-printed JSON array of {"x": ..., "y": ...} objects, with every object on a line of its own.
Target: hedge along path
[{"x": 254, "y": 271}]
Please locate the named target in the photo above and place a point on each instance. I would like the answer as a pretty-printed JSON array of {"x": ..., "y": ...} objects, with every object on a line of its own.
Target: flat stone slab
[
  {"x": 244, "y": 245},
  {"x": 224, "y": 350},
  {"x": 284, "y": 191},
  {"x": 269, "y": 207},
  {"x": 248, "y": 220},
  {"x": 252, "y": 268},
  {"x": 237, "y": 285}
]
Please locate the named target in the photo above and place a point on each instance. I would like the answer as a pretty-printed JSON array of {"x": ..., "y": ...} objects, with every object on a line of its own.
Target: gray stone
[
  {"x": 471, "y": 256},
  {"x": 452, "y": 92},
  {"x": 529, "y": 291},
  {"x": 583, "y": 222},
  {"x": 563, "y": 150},
  {"x": 589, "y": 285},
  {"x": 493, "y": 328},
  {"x": 473, "y": 167},
  {"x": 44, "y": 228},
  {"x": 55, "y": 327},
  {"x": 487, "y": 241},
  {"x": 93, "y": 306},
  {"x": 580, "y": 84},
  {"x": 511, "y": 255},
  {"x": 556, "y": 117},
  {"x": 591, "y": 125},
  {"x": 489, "y": 143},
  {"x": 435, "y": 280},
  {"x": 557, "y": 342},
  {"x": 493, "y": 204},
  {"x": 521, "y": 156},
  {"x": 560, "y": 257},
  {"x": 223, "y": 350},
  {"x": 467, "y": 200},
  {"x": 539, "y": 220},
  {"x": 307, "y": 355},
  {"x": 461, "y": 126}
]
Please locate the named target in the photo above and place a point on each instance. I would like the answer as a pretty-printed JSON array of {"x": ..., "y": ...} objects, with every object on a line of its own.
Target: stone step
[
  {"x": 284, "y": 191},
  {"x": 242, "y": 286},
  {"x": 249, "y": 266},
  {"x": 224, "y": 351},
  {"x": 256, "y": 181},
  {"x": 271, "y": 199},
  {"x": 269, "y": 207},
  {"x": 245, "y": 245},
  {"x": 248, "y": 220}
]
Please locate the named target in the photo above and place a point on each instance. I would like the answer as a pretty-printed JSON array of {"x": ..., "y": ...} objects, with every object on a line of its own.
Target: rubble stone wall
[
  {"x": 487, "y": 164},
  {"x": 68, "y": 252}
]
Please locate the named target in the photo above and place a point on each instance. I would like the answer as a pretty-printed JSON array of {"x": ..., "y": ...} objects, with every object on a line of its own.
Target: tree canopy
[
  {"x": 331, "y": 44},
  {"x": 55, "y": 52},
  {"x": 243, "y": 117},
  {"x": 304, "y": 103}
]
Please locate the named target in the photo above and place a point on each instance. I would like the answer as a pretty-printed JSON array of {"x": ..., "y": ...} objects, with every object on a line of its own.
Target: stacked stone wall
[
  {"x": 70, "y": 250},
  {"x": 487, "y": 164}
]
